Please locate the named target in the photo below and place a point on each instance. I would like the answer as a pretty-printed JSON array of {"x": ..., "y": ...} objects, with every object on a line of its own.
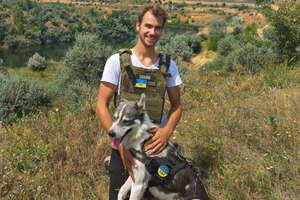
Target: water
[{"x": 19, "y": 57}]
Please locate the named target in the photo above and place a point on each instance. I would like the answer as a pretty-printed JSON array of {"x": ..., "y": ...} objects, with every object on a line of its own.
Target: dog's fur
[{"x": 131, "y": 123}]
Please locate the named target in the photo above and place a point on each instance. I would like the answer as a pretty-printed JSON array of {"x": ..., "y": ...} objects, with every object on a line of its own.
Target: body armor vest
[{"x": 152, "y": 82}]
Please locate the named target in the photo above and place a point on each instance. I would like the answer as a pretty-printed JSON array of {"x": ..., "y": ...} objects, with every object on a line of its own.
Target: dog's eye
[{"x": 125, "y": 121}]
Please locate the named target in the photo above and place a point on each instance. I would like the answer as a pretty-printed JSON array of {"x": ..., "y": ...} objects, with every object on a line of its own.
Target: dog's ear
[{"x": 142, "y": 102}]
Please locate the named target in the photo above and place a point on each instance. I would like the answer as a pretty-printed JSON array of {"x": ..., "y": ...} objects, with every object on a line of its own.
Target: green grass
[{"x": 44, "y": 77}]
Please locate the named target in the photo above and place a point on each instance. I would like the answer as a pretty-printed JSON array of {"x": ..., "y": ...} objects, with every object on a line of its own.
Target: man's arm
[
  {"x": 106, "y": 91},
  {"x": 158, "y": 142}
]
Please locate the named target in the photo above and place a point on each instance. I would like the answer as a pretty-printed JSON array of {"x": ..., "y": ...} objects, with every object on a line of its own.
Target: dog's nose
[{"x": 112, "y": 133}]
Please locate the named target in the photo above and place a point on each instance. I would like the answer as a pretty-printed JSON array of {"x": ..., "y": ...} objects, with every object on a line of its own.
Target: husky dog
[{"x": 131, "y": 124}]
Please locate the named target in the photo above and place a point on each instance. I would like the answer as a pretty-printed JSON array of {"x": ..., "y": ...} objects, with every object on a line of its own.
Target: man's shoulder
[{"x": 114, "y": 57}]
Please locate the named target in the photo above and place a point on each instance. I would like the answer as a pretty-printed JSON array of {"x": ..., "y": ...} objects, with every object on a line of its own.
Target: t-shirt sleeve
[
  {"x": 112, "y": 70},
  {"x": 175, "y": 79}
]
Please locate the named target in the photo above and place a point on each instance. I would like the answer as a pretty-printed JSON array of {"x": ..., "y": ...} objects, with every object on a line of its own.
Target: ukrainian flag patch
[{"x": 140, "y": 83}]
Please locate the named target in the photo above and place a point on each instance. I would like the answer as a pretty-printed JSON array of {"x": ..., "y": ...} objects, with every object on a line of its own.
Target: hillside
[{"x": 240, "y": 97}]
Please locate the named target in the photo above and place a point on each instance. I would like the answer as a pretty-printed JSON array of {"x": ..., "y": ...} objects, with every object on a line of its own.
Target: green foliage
[
  {"x": 180, "y": 46},
  {"x": 12, "y": 42},
  {"x": 82, "y": 69},
  {"x": 20, "y": 97},
  {"x": 277, "y": 76},
  {"x": 237, "y": 24},
  {"x": 227, "y": 45},
  {"x": 3, "y": 31},
  {"x": 212, "y": 42},
  {"x": 86, "y": 60},
  {"x": 250, "y": 35},
  {"x": 37, "y": 62},
  {"x": 18, "y": 17},
  {"x": 286, "y": 23},
  {"x": 217, "y": 27},
  {"x": 1, "y": 64},
  {"x": 117, "y": 28},
  {"x": 217, "y": 63},
  {"x": 251, "y": 57}
]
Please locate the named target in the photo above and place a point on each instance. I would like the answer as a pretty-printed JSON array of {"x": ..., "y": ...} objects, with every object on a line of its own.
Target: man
[{"x": 150, "y": 24}]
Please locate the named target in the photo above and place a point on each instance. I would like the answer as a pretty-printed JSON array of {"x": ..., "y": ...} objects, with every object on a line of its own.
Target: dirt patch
[{"x": 202, "y": 58}]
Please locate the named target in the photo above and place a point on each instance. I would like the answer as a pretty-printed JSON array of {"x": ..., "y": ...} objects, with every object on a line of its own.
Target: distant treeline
[{"x": 27, "y": 23}]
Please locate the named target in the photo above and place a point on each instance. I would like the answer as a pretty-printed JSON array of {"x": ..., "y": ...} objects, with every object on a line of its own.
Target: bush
[
  {"x": 252, "y": 58},
  {"x": 285, "y": 21},
  {"x": 20, "y": 97},
  {"x": 37, "y": 62},
  {"x": 216, "y": 64},
  {"x": 212, "y": 42},
  {"x": 1, "y": 64},
  {"x": 180, "y": 46},
  {"x": 237, "y": 24},
  {"x": 117, "y": 30},
  {"x": 86, "y": 59},
  {"x": 227, "y": 45},
  {"x": 217, "y": 27}
]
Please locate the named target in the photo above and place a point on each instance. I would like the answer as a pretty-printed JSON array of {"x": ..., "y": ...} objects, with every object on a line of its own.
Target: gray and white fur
[{"x": 131, "y": 124}]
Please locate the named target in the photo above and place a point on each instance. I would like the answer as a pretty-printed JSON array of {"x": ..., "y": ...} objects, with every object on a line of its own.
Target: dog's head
[{"x": 128, "y": 115}]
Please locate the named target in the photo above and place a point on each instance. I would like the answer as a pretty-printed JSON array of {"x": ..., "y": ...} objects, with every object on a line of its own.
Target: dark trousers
[{"x": 118, "y": 175}]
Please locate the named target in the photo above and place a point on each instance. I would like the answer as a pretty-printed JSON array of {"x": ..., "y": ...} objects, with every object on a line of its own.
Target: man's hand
[
  {"x": 158, "y": 142},
  {"x": 127, "y": 160}
]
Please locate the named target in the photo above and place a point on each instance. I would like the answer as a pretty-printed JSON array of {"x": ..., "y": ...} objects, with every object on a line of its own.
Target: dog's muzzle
[{"x": 111, "y": 133}]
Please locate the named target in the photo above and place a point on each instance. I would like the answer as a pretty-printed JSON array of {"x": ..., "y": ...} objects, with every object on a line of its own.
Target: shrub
[
  {"x": 237, "y": 24},
  {"x": 1, "y": 63},
  {"x": 87, "y": 58},
  {"x": 212, "y": 42},
  {"x": 216, "y": 64},
  {"x": 118, "y": 29},
  {"x": 180, "y": 46},
  {"x": 217, "y": 27},
  {"x": 250, "y": 57},
  {"x": 285, "y": 21},
  {"x": 20, "y": 97},
  {"x": 37, "y": 62},
  {"x": 227, "y": 45}
]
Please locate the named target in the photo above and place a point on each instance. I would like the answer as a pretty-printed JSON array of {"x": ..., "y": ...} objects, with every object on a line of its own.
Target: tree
[
  {"x": 18, "y": 17},
  {"x": 286, "y": 23},
  {"x": 217, "y": 27}
]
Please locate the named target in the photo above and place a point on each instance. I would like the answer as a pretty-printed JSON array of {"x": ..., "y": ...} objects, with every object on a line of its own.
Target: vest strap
[{"x": 164, "y": 62}]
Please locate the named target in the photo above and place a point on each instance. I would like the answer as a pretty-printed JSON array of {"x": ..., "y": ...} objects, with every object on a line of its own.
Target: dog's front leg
[
  {"x": 140, "y": 185},
  {"x": 137, "y": 191},
  {"x": 125, "y": 189}
]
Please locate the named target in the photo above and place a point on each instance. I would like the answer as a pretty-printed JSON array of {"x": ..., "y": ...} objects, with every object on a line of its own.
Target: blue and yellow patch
[
  {"x": 163, "y": 171},
  {"x": 140, "y": 83}
]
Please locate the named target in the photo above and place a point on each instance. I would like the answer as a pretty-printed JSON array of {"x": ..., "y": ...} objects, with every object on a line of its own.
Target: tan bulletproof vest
[{"x": 152, "y": 82}]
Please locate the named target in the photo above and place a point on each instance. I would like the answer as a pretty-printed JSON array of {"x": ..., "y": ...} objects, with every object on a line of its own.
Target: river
[{"x": 19, "y": 57}]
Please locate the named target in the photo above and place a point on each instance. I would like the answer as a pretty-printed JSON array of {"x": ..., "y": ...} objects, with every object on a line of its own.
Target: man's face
[{"x": 150, "y": 29}]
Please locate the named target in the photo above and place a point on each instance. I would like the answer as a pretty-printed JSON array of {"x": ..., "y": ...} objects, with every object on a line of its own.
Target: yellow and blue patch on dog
[{"x": 163, "y": 171}]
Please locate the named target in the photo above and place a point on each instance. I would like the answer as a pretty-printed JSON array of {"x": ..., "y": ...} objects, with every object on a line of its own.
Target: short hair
[{"x": 156, "y": 10}]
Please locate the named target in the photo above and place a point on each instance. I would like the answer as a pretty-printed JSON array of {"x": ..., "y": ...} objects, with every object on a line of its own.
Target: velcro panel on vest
[{"x": 152, "y": 82}]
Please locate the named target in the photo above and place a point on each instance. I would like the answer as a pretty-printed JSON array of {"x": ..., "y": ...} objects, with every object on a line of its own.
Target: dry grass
[
  {"x": 54, "y": 155},
  {"x": 243, "y": 136}
]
